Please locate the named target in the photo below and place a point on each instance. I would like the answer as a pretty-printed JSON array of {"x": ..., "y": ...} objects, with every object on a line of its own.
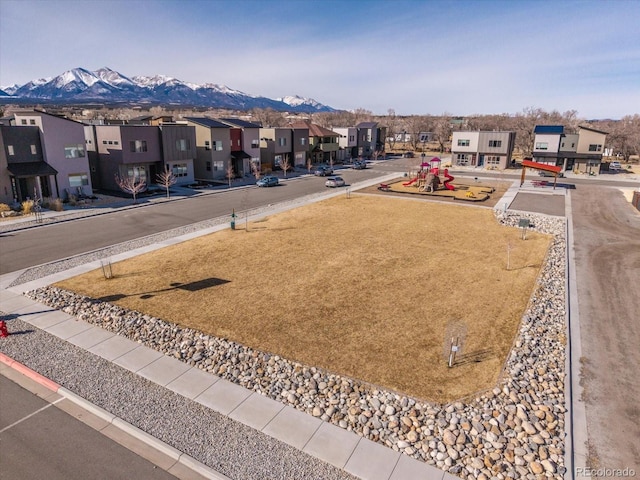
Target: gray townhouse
[
  {"x": 280, "y": 143},
  {"x": 63, "y": 148},
  {"x": 213, "y": 150},
  {"x": 132, "y": 151},
  {"x": 245, "y": 145},
  {"x": 178, "y": 143},
  {"x": 23, "y": 170},
  {"x": 371, "y": 138},
  {"x": 579, "y": 152},
  {"x": 482, "y": 149}
]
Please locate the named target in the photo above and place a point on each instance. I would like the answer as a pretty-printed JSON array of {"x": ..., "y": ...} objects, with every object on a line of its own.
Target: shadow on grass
[
  {"x": 189, "y": 287},
  {"x": 474, "y": 357}
]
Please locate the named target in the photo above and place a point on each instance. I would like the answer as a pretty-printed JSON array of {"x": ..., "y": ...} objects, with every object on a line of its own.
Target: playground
[
  {"x": 429, "y": 178},
  {"x": 375, "y": 305}
]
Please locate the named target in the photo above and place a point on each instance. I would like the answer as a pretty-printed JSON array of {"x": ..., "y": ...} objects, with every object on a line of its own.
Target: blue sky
[{"x": 416, "y": 57}]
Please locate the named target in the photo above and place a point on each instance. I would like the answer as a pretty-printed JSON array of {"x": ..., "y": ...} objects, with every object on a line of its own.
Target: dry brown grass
[{"x": 363, "y": 287}]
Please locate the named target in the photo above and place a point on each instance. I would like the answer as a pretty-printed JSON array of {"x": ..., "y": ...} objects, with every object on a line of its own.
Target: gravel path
[{"x": 230, "y": 447}]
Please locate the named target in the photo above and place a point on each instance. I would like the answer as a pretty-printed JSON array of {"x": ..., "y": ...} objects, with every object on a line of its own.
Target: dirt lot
[
  {"x": 607, "y": 249},
  {"x": 363, "y": 286}
]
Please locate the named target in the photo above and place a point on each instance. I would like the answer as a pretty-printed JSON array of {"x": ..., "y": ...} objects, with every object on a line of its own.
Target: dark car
[
  {"x": 544, "y": 173},
  {"x": 323, "y": 171},
  {"x": 359, "y": 165}
]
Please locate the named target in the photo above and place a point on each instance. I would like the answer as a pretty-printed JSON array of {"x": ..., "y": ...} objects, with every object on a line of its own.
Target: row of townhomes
[
  {"x": 579, "y": 152},
  {"x": 46, "y": 155}
]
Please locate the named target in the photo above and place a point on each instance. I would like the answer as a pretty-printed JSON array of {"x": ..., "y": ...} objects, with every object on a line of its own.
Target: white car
[
  {"x": 615, "y": 167},
  {"x": 334, "y": 182}
]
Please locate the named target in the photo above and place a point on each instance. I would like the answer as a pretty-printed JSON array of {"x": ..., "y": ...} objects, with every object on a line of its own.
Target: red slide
[
  {"x": 410, "y": 182},
  {"x": 449, "y": 178}
]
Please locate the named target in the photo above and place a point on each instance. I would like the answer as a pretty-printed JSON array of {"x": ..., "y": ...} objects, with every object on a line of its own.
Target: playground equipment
[{"x": 427, "y": 179}]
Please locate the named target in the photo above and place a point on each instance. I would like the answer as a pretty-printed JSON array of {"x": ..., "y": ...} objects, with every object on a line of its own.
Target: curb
[{"x": 167, "y": 450}]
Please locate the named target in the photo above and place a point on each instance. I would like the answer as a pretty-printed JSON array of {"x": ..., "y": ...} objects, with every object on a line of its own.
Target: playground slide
[
  {"x": 449, "y": 178},
  {"x": 410, "y": 182}
]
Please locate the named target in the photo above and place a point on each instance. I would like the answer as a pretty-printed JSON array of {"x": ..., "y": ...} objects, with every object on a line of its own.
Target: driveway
[{"x": 607, "y": 259}]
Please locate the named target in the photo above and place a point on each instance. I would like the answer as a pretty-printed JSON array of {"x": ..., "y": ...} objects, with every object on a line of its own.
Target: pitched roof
[
  {"x": 315, "y": 130},
  {"x": 367, "y": 125},
  {"x": 237, "y": 122},
  {"x": 549, "y": 129},
  {"x": 207, "y": 122}
]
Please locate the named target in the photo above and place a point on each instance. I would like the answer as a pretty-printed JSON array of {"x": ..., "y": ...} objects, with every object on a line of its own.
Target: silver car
[{"x": 334, "y": 182}]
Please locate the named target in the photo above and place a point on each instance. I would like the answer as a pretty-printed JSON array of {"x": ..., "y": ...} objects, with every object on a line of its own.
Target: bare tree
[
  {"x": 133, "y": 185},
  {"x": 309, "y": 164},
  {"x": 442, "y": 131},
  {"x": 285, "y": 163},
  {"x": 392, "y": 128},
  {"x": 166, "y": 179},
  {"x": 230, "y": 173},
  {"x": 255, "y": 170}
]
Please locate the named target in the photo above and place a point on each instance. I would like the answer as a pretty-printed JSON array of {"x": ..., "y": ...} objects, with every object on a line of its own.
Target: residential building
[
  {"x": 132, "y": 151},
  {"x": 482, "y": 149},
  {"x": 371, "y": 138},
  {"x": 245, "y": 144},
  {"x": 348, "y": 142},
  {"x": 300, "y": 140},
  {"x": 276, "y": 145},
  {"x": 213, "y": 150},
  {"x": 63, "y": 149},
  {"x": 178, "y": 151},
  {"x": 578, "y": 152},
  {"x": 323, "y": 143},
  {"x": 24, "y": 174}
]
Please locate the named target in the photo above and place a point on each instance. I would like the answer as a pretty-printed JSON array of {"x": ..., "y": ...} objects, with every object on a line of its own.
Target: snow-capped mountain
[{"x": 108, "y": 86}]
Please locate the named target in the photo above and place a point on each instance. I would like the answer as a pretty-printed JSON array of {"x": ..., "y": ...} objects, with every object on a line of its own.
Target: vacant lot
[{"x": 363, "y": 287}]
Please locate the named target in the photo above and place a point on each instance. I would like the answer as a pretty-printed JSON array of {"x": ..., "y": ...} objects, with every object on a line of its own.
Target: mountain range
[{"x": 107, "y": 86}]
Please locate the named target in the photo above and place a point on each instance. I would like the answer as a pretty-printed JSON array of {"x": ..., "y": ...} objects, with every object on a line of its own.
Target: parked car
[
  {"x": 359, "y": 165},
  {"x": 408, "y": 155},
  {"x": 269, "y": 181},
  {"x": 334, "y": 182},
  {"x": 615, "y": 167},
  {"x": 323, "y": 171},
  {"x": 544, "y": 173}
]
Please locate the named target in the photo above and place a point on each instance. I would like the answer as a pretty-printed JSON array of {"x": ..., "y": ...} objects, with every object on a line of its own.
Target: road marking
[{"x": 30, "y": 415}]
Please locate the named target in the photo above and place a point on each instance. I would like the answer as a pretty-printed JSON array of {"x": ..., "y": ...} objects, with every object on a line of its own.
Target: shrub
[
  {"x": 27, "y": 207},
  {"x": 54, "y": 204},
  {"x": 4, "y": 207}
]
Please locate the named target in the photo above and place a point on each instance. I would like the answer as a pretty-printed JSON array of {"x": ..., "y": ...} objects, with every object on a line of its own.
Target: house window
[
  {"x": 463, "y": 143},
  {"x": 352, "y": 138},
  {"x": 495, "y": 143},
  {"x": 110, "y": 142},
  {"x": 255, "y": 143},
  {"x": 542, "y": 146},
  {"x": 138, "y": 174},
  {"x": 182, "y": 145},
  {"x": 303, "y": 141},
  {"x": 115, "y": 142},
  {"x": 462, "y": 159},
  {"x": 180, "y": 170},
  {"x": 207, "y": 145},
  {"x": 217, "y": 145},
  {"x": 23, "y": 121},
  {"x": 78, "y": 180},
  {"x": 10, "y": 150},
  {"x": 32, "y": 122},
  {"x": 208, "y": 166},
  {"x": 282, "y": 141},
  {"x": 218, "y": 165},
  {"x": 34, "y": 150},
  {"x": 492, "y": 160},
  {"x": 74, "y": 151},
  {"x": 138, "y": 146},
  {"x": 595, "y": 148},
  {"x": 104, "y": 142}
]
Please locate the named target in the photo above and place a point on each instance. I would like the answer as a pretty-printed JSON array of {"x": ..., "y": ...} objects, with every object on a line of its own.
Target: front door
[{"x": 23, "y": 189}]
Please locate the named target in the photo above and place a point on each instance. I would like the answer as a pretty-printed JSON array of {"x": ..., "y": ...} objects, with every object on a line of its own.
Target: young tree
[
  {"x": 131, "y": 185},
  {"x": 230, "y": 173},
  {"x": 255, "y": 170},
  {"x": 309, "y": 164},
  {"x": 166, "y": 179},
  {"x": 285, "y": 163}
]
